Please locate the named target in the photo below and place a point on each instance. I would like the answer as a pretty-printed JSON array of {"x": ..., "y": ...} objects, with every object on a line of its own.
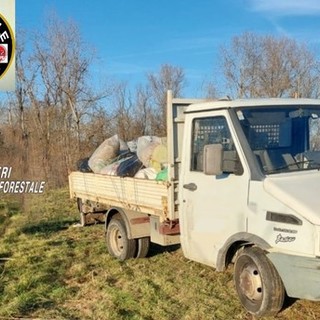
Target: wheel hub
[
  {"x": 117, "y": 241},
  {"x": 250, "y": 283}
]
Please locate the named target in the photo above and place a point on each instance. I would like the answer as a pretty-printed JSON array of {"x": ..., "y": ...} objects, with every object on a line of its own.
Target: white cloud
[{"x": 286, "y": 7}]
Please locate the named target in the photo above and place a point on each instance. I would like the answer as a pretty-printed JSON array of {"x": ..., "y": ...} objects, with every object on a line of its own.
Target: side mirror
[
  {"x": 217, "y": 161},
  {"x": 212, "y": 159}
]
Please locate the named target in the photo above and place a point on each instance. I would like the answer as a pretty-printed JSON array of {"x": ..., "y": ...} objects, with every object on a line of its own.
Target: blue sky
[{"x": 135, "y": 37}]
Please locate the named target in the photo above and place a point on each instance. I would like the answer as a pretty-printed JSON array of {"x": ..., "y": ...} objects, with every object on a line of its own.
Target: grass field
[{"x": 51, "y": 269}]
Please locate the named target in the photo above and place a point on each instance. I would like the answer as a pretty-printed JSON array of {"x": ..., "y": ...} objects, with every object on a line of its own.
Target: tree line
[{"x": 56, "y": 117}]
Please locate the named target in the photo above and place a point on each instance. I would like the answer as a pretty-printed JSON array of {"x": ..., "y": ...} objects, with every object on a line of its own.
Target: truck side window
[{"x": 205, "y": 131}]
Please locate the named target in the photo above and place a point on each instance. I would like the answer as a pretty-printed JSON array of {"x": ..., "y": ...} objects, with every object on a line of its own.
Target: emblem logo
[
  {"x": 281, "y": 238},
  {"x": 6, "y": 46}
]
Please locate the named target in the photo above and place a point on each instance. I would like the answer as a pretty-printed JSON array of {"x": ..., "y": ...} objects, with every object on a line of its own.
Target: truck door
[{"x": 212, "y": 208}]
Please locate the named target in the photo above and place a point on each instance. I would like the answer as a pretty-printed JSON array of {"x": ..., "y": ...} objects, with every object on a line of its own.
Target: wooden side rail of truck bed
[{"x": 145, "y": 196}]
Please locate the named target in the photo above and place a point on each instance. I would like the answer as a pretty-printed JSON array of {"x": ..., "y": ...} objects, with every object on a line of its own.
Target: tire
[
  {"x": 117, "y": 240},
  {"x": 143, "y": 247},
  {"x": 258, "y": 283},
  {"x": 79, "y": 203}
]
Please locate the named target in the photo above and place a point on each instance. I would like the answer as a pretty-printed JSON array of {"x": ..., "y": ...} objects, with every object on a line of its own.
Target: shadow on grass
[
  {"x": 30, "y": 302},
  {"x": 47, "y": 227},
  {"x": 288, "y": 302},
  {"x": 156, "y": 249}
]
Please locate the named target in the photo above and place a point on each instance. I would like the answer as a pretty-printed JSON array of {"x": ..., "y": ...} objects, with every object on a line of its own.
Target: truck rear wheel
[
  {"x": 258, "y": 283},
  {"x": 143, "y": 247},
  {"x": 117, "y": 240}
]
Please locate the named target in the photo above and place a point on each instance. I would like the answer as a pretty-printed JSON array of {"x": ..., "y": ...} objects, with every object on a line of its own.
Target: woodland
[{"x": 58, "y": 114}]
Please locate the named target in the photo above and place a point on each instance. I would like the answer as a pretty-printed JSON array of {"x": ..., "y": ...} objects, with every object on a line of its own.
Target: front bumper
[{"x": 300, "y": 275}]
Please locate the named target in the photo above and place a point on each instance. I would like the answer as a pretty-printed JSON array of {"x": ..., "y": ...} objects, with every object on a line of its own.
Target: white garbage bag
[{"x": 103, "y": 155}]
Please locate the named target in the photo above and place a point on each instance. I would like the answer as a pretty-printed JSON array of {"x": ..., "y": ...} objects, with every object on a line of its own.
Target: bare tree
[
  {"x": 210, "y": 90},
  {"x": 142, "y": 112},
  {"x": 64, "y": 97},
  {"x": 123, "y": 112},
  {"x": 52, "y": 102},
  {"x": 168, "y": 78},
  {"x": 18, "y": 113},
  {"x": 265, "y": 66},
  {"x": 99, "y": 127}
]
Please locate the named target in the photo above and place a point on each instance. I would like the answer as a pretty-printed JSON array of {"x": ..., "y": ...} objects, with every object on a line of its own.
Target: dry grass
[{"x": 50, "y": 269}]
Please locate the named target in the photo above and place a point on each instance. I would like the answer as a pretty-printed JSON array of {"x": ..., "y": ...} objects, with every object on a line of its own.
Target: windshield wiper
[{"x": 311, "y": 163}]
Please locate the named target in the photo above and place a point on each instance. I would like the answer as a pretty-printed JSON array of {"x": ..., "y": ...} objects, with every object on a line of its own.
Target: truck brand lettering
[
  {"x": 281, "y": 238},
  {"x": 285, "y": 230}
]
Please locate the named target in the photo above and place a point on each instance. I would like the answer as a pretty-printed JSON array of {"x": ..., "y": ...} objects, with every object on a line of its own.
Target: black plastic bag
[
  {"x": 83, "y": 166},
  {"x": 129, "y": 166}
]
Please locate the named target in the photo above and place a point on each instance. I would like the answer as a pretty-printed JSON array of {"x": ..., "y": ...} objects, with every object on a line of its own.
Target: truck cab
[{"x": 248, "y": 189}]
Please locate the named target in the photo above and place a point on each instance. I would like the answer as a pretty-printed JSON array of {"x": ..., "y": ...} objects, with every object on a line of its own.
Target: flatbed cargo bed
[{"x": 145, "y": 196}]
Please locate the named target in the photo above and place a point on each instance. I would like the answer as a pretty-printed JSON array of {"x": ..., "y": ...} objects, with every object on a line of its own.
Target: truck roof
[{"x": 224, "y": 103}]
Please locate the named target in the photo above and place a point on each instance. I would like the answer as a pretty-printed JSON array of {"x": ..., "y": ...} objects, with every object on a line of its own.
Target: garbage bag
[
  {"x": 146, "y": 173},
  {"x": 123, "y": 146},
  {"x": 145, "y": 148},
  {"x": 104, "y": 154},
  {"x": 111, "y": 169},
  {"x": 132, "y": 145},
  {"x": 83, "y": 166},
  {"x": 162, "y": 175},
  {"x": 159, "y": 157},
  {"x": 129, "y": 166}
]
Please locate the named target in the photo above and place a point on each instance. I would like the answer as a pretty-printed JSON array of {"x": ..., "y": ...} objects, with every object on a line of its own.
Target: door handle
[{"x": 190, "y": 186}]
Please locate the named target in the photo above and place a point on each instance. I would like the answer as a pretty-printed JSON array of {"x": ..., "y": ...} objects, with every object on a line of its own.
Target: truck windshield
[{"x": 283, "y": 138}]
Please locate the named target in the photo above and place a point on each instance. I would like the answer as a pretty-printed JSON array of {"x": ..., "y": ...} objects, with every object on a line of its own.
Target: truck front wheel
[
  {"x": 258, "y": 283},
  {"x": 117, "y": 240}
]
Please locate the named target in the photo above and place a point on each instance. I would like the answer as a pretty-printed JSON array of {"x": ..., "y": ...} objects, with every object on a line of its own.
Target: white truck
[{"x": 243, "y": 188}]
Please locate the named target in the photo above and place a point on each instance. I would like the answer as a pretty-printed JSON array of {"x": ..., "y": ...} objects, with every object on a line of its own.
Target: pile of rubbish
[{"x": 145, "y": 158}]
